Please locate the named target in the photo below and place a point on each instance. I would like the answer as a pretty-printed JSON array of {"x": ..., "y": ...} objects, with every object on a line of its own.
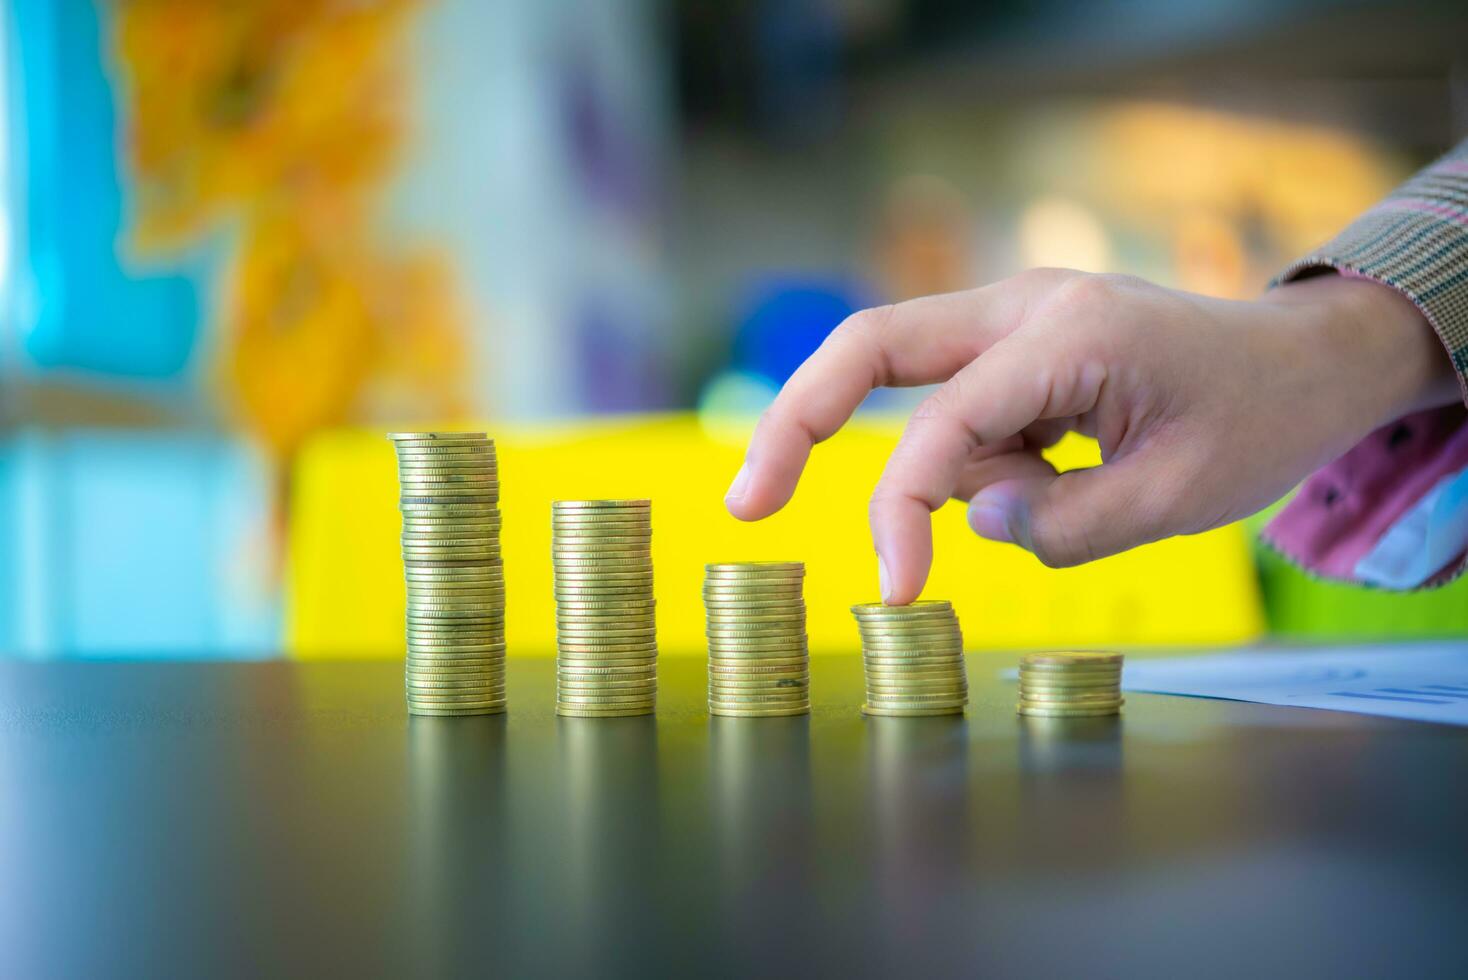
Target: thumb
[{"x": 1077, "y": 516}]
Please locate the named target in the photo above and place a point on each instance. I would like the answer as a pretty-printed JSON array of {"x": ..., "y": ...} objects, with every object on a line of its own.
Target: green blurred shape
[{"x": 1299, "y": 606}]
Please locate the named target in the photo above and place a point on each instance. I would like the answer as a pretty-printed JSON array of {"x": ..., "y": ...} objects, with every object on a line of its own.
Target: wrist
[{"x": 1389, "y": 354}]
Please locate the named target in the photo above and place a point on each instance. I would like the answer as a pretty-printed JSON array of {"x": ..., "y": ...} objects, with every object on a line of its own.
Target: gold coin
[
  {"x": 761, "y": 622},
  {"x": 418, "y": 479},
  {"x": 646, "y": 657},
  {"x": 412, "y": 544},
  {"x": 907, "y": 699},
  {"x": 491, "y": 570},
  {"x": 726, "y": 712},
  {"x": 721, "y": 586},
  {"x": 594, "y": 567},
  {"x": 614, "y": 697},
  {"x": 426, "y": 448},
  {"x": 744, "y": 630},
  {"x": 489, "y": 670},
  {"x": 637, "y": 664},
  {"x": 1072, "y": 660},
  {"x": 869, "y": 709},
  {"x": 584, "y": 505},
  {"x": 424, "y": 611},
  {"x": 617, "y": 685},
  {"x": 932, "y": 627},
  {"x": 1046, "y": 711},
  {"x": 800, "y": 683},
  {"x": 448, "y": 511},
  {"x": 429, "y": 647},
  {"x": 564, "y": 597},
  {"x": 737, "y": 644},
  {"x": 641, "y": 670},
  {"x": 755, "y": 567},
  {"x": 758, "y": 699},
  {"x": 462, "y": 684},
  {"x": 592, "y": 645},
  {"x": 1076, "y": 689},
  {"x": 461, "y": 699},
  {"x": 455, "y": 634},
  {"x": 735, "y": 690},
  {"x": 1032, "y": 697},
  {"x": 922, "y": 607},
  {"x": 760, "y": 668},
  {"x": 1075, "y": 668},
  {"x": 607, "y": 548},
  {"x": 577, "y": 526},
  {"x": 914, "y": 683},
  {"x": 439, "y": 437},
  {"x": 436, "y": 609},
  {"x": 909, "y": 643},
  {"x": 798, "y": 672},
  {"x": 495, "y": 598},
  {"x": 584, "y": 610}
]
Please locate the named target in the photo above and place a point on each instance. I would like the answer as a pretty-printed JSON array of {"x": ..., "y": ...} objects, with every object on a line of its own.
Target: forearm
[{"x": 1371, "y": 342}]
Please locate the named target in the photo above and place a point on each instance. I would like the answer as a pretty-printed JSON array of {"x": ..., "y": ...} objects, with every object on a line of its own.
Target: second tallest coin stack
[{"x": 606, "y": 630}]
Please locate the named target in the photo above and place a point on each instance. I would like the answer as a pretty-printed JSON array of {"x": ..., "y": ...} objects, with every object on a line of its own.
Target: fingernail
[
  {"x": 740, "y": 484},
  {"x": 988, "y": 515},
  {"x": 883, "y": 583}
]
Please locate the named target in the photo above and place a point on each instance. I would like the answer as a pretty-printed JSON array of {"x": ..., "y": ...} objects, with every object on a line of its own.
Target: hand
[{"x": 1206, "y": 410}]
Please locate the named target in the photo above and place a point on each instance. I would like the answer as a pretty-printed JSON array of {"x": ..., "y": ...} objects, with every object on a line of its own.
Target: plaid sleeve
[{"x": 1399, "y": 484}]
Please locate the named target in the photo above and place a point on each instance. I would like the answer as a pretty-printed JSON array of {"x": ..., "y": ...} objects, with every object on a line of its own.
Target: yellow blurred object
[{"x": 345, "y": 583}]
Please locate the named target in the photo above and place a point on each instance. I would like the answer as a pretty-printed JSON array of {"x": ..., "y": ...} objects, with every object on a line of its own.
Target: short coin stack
[
  {"x": 1070, "y": 685},
  {"x": 759, "y": 664},
  {"x": 913, "y": 657},
  {"x": 456, "y": 584},
  {"x": 606, "y": 632}
]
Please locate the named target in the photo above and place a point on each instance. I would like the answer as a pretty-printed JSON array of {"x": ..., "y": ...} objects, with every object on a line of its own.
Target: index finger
[{"x": 920, "y": 341}]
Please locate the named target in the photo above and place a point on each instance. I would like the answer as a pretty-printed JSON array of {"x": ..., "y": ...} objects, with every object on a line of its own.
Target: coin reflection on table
[
  {"x": 607, "y": 808},
  {"x": 456, "y": 834}
]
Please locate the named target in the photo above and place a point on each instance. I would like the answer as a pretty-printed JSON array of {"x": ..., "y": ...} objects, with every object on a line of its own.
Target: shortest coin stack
[
  {"x": 1070, "y": 685},
  {"x": 759, "y": 663},
  {"x": 913, "y": 657}
]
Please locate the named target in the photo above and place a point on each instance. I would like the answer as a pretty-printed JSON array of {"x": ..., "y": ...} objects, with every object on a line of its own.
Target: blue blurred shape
[
  {"x": 80, "y": 307},
  {"x": 785, "y": 320},
  {"x": 124, "y": 544}
]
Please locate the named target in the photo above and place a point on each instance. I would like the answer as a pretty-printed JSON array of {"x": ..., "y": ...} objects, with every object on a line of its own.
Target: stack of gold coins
[
  {"x": 1070, "y": 685},
  {"x": 759, "y": 664},
  {"x": 606, "y": 632},
  {"x": 913, "y": 657},
  {"x": 456, "y": 583}
]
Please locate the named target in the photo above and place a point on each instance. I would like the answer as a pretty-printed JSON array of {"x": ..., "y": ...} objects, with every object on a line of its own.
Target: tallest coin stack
[{"x": 456, "y": 583}]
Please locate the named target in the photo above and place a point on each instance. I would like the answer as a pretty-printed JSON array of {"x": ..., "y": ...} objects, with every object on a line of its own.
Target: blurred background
[{"x": 239, "y": 239}]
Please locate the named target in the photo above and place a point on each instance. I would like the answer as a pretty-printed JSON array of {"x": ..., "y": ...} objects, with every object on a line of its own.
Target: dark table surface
[{"x": 278, "y": 819}]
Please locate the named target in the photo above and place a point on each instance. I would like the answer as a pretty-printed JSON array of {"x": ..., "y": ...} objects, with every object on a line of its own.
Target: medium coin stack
[
  {"x": 606, "y": 632},
  {"x": 456, "y": 583},
  {"x": 913, "y": 657},
  {"x": 759, "y": 664},
  {"x": 1070, "y": 685}
]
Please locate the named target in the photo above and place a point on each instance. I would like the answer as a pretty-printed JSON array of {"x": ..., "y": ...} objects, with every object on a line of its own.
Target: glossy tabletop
[{"x": 278, "y": 819}]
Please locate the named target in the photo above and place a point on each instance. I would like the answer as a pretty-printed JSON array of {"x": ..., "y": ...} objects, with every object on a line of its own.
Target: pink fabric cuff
[{"x": 1341, "y": 512}]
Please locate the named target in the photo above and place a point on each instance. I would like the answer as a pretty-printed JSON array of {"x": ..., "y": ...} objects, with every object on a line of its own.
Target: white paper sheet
[{"x": 1420, "y": 681}]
